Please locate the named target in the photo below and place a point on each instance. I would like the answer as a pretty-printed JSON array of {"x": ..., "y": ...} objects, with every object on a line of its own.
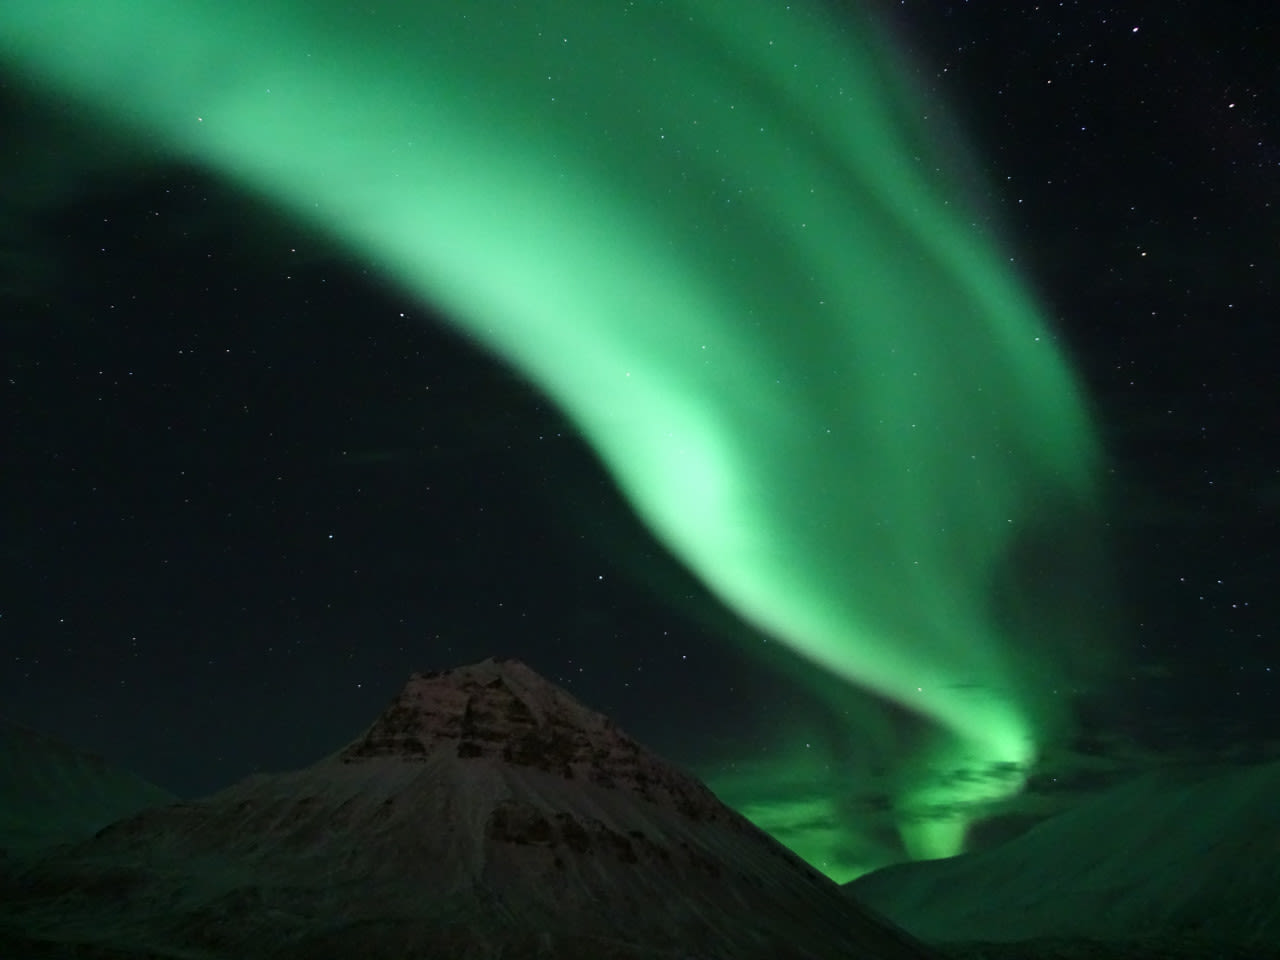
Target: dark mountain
[{"x": 486, "y": 813}]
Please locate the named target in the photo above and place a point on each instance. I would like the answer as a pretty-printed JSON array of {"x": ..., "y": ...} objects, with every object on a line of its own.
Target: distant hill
[
  {"x": 1186, "y": 860},
  {"x": 52, "y": 793}
]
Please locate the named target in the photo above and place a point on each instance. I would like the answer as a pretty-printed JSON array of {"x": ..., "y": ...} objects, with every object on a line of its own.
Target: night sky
[{"x": 250, "y": 482}]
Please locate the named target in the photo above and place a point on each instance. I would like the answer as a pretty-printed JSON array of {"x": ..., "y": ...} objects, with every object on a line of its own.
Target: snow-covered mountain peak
[
  {"x": 480, "y": 709},
  {"x": 501, "y": 710}
]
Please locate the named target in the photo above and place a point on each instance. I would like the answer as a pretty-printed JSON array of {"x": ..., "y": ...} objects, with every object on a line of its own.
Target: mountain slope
[
  {"x": 485, "y": 813},
  {"x": 1171, "y": 856}
]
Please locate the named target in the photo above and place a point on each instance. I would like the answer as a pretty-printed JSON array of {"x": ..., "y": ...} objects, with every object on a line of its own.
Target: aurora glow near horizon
[{"x": 717, "y": 235}]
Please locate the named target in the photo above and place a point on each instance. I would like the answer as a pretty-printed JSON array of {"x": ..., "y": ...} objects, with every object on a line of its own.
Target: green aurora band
[{"x": 722, "y": 238}]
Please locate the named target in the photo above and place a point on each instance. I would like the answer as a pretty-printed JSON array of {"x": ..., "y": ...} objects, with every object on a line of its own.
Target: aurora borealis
[{"x": 734, "y": 254}]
